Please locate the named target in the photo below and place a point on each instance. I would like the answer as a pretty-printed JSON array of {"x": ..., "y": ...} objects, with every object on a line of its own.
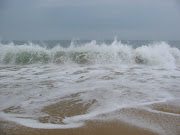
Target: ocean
[{"x": 64, "y": 84}]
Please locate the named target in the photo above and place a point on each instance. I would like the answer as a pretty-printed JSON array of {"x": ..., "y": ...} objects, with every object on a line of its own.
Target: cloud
[
  {"x": 59, "y": 3},
  {"x": 2, "y": 4},
  {"x": 50, "y": 19}
]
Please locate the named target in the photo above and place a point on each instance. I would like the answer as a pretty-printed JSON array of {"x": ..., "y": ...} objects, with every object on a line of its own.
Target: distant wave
[{"x": 158, "y": 53}]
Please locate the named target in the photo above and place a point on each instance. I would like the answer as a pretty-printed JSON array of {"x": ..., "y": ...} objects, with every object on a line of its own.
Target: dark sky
[{"x": 89, "y": 19}]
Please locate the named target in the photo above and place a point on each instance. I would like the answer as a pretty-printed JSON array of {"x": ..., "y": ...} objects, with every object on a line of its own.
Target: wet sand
[
  {"x": 91, "y": 128},
  {"x": 154, "y": 119}
]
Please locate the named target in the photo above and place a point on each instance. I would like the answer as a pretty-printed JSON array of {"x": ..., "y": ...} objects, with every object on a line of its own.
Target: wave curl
[{"x": 91, "y": 53}]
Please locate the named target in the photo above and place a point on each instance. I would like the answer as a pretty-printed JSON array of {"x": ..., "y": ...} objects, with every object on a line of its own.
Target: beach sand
[{"x": 153, "y": 119}]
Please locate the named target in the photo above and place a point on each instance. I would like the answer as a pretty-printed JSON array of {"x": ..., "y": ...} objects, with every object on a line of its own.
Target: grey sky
[{"x": 90, "y": 19}]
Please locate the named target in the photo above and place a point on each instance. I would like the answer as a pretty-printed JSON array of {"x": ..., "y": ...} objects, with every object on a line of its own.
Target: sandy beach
[{"x": 154, "y": 119}]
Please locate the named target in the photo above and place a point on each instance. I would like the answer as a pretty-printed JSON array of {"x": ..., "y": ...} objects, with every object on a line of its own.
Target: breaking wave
[{"x": 91, "y": 53}]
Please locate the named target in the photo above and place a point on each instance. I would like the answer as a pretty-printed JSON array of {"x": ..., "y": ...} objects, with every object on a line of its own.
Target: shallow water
[{"x": 65, "y": 94}]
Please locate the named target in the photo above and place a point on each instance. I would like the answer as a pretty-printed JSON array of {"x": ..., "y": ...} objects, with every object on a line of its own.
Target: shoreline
[
  {"x": 91, "y": 128},
  {"x": 158, "y": 119}
]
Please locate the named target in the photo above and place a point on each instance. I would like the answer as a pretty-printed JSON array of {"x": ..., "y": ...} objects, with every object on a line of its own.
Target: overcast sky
[{"x": 89, "y": 19}]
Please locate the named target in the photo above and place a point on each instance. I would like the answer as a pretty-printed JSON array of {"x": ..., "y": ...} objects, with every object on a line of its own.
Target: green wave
[{"x": 117, "y": 53}]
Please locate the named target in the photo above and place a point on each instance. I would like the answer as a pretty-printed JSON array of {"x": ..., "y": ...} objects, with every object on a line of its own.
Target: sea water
[{"x": 61, "y": 84}]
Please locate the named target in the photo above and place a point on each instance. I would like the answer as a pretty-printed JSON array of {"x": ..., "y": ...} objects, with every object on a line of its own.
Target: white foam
[
  {"x": 159, "y": 53},
  {"x": 36, "y": 124},
  {"x": 113, "y": 81}
]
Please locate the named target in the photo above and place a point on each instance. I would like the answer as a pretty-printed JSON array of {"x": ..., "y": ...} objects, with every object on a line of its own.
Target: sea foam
[{"x": 158, "y": 53}]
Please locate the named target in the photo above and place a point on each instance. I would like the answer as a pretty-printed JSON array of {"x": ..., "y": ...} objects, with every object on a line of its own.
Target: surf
[{"x": 157, "y": 53}]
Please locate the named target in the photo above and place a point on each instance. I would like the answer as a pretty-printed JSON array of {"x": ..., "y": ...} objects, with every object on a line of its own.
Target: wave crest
[{"x": 91, "y": 53}]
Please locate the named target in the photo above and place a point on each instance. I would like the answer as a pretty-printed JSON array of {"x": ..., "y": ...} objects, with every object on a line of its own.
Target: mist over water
[{"x": 63, "y": 85}]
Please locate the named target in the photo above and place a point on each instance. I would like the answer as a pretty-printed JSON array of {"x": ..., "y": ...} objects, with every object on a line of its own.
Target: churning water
[{"x": 61, "y": 86}]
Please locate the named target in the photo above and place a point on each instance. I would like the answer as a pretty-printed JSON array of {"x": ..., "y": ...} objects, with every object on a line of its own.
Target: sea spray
[{"x": 158, "y": 53}]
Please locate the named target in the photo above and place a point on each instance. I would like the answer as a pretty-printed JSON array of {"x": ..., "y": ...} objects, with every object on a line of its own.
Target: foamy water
[{"x": 95, "y": 78}]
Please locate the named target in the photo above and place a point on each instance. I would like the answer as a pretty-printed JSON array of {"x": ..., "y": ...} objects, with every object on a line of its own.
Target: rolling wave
[{"x": 91, "y": 53}]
